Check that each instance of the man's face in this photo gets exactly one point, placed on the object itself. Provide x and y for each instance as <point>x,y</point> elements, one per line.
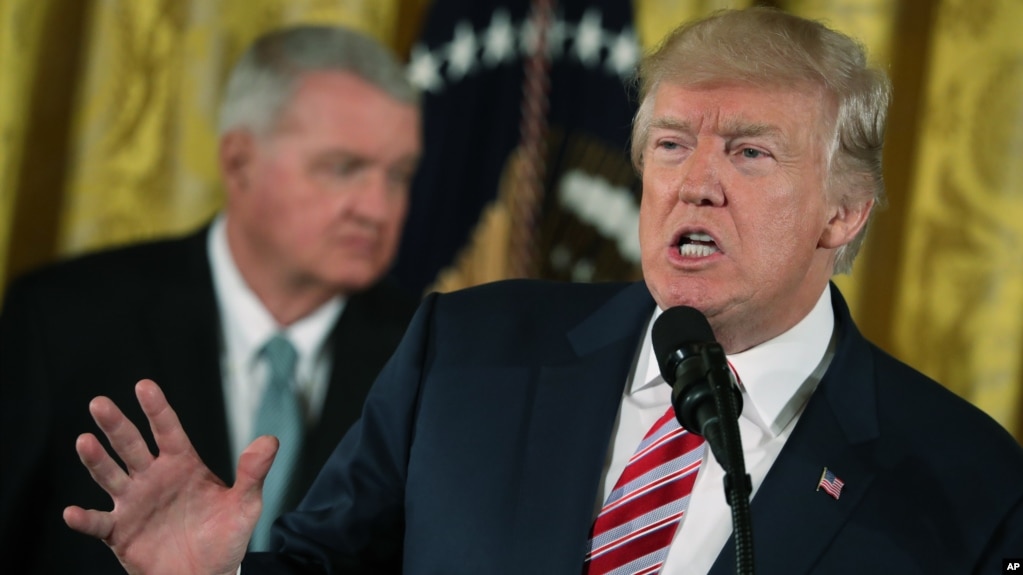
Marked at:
<point>319,203</point>
<point>734,220</point>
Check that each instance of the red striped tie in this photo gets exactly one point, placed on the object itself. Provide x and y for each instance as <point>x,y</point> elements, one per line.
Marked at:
<point>634,529</point>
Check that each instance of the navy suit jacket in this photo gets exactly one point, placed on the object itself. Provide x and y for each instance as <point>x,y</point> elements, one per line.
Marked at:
<point>482,442</point>
<point>98,324</point>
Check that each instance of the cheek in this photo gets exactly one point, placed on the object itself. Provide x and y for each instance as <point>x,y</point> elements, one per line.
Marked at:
<point>400,210</point>
<point>278,197</point>
<point>390,237</point>
<point>658,184</point>
<point>397,213</point>
<point>647,223</point>
<point>652,248</point>
<point>656,200</point>
<point>786,238</point>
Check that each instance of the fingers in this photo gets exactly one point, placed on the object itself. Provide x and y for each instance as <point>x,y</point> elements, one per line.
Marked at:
<point>98,524</point>
<point>163,420</point>
<point>103,469</point>
<point>124,437</point>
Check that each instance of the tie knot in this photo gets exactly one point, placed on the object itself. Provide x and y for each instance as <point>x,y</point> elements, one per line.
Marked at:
<point>280,354</point>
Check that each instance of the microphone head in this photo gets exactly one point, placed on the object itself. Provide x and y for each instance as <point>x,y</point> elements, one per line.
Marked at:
<point>676,329</point>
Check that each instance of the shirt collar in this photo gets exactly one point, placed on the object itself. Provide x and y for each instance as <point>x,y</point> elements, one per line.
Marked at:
<point>247,323</point>
<point>777,376</point>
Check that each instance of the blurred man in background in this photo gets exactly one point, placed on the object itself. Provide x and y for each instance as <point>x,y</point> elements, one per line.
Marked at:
<point>273,319</point>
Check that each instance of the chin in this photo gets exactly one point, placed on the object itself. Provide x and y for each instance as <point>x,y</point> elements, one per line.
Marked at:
<point>353,274</point>
<point>682,292</point>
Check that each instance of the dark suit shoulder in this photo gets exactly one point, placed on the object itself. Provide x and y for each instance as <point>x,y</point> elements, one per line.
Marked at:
<point>551,301</point>
<point>114,273</point>
<point>949,475</point>
<point>940,420</point>
<point>915,414</point>
<point>529,319</point>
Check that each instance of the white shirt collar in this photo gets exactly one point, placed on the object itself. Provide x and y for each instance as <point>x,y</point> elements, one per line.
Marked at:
<point>777,376</point>
<point>247,324</point>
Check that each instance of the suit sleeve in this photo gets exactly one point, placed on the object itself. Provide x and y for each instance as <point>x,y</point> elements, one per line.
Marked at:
<point>352,519</point>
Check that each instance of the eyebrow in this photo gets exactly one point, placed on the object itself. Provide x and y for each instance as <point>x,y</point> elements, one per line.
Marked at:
<point>670,123</point>
<point>739,129</point>
<point>730,128</point>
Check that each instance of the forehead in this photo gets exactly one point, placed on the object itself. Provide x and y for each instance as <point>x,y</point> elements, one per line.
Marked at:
<point>340,106</point>
<point>343,93</point>
<point>728,107</point>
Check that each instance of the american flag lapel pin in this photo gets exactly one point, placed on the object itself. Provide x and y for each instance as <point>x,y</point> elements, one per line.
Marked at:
<point>830,483</point>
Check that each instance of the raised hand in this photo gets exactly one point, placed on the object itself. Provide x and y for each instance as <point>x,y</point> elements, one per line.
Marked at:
<point>171,513</point>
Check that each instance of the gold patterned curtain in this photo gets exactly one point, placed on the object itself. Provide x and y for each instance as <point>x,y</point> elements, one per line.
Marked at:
<point>958,307</point>
<point>107,114</point>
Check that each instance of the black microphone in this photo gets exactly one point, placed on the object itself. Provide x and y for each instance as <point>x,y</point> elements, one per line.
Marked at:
<point>707,402</point>
<point>691,361</point>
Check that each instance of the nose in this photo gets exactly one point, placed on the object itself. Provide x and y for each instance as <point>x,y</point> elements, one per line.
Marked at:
<point>701,179</point>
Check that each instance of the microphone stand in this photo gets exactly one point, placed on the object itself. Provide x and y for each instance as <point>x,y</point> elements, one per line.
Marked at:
<point>695,387</point>
<point>738,485</point>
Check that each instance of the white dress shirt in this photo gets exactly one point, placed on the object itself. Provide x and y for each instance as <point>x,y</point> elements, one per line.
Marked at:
<point>246,325</point>
<point>777,376</point>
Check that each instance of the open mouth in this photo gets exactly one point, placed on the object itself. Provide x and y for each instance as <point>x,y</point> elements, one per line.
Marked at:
<point>696,245</point>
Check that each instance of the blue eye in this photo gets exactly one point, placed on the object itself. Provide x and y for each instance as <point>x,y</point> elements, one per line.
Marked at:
<point>751,153</point>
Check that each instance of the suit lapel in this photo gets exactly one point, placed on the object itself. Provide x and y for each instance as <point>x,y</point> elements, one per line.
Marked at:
<point>185,327</point>
<point>355,339</point>
<point>572,416</point>
<point>838,430</point>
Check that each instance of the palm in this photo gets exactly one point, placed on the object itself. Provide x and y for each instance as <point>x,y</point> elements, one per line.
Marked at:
<point>171,514</point>
<point>198,518</point>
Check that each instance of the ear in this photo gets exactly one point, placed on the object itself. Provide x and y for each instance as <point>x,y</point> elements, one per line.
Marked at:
<point>237,151</point>
<point>845,222</point>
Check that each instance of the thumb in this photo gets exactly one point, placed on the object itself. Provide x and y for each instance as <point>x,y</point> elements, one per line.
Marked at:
<point>254,464</point>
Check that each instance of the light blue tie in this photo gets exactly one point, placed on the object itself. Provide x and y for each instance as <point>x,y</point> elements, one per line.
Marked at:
<point>279,415</point>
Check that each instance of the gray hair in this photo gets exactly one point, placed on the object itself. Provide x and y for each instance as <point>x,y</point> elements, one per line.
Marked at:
<point>768,47</point>
<point>264,78</point>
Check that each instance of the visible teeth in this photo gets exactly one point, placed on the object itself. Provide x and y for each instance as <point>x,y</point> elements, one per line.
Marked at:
<point>696,250</point>
<point>700,237</point>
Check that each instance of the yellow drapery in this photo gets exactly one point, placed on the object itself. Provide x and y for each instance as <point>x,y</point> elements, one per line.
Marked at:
<point>20,40</point>
<point>33,126</point>
<point>107,114</point>
<point>958,312</point>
